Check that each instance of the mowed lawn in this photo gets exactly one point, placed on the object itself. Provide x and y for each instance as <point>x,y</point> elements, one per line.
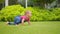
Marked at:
<point>43,27</point>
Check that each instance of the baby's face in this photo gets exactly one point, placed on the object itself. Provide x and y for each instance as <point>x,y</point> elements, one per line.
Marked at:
<point>29,14</point>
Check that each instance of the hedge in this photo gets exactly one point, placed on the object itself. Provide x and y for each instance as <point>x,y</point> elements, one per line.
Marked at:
<point>9,12</point>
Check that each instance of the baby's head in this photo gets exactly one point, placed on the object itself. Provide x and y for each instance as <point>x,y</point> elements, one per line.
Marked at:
<point>28,13</point>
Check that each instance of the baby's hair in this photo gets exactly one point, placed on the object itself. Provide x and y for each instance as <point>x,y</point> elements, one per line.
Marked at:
<point>27,12</point>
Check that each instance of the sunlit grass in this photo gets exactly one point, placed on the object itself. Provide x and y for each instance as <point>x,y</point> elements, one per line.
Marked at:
<point>34,28</point>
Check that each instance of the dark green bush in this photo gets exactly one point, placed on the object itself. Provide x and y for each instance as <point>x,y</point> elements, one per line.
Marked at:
<point>9,12</point>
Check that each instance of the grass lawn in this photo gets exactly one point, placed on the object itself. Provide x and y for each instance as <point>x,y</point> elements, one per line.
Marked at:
<point>35,28</point>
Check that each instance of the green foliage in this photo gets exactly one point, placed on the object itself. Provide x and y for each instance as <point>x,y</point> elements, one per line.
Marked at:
<point>13,2</point>
<point>44,14</point>
<point>43,1</point>
<point>9,12</point>
<point>1,1</point>
<point>56,12</point>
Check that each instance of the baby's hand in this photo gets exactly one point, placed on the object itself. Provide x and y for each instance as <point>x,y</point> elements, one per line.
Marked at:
<point>23,24</point>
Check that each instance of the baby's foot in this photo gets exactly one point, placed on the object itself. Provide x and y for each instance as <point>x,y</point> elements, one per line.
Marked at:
<point>7,22</point>
<point>16,25</point>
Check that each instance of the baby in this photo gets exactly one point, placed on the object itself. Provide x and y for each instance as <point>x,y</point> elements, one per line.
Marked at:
<point>21,19</point>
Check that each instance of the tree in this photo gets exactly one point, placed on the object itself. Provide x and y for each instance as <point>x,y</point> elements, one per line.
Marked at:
<point>12,2</point>
<point>43,2</point>
<point>1,1</point>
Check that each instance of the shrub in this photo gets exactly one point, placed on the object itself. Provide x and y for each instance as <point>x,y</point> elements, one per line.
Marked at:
<point>9,12</point>
<point>56,12</point>
<point>44,14</point>
<point>40,14</point>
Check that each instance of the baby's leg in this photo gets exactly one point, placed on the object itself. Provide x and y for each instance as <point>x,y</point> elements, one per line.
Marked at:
<point>10,23</point>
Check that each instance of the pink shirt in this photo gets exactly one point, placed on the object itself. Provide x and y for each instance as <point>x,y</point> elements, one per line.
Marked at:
<point>25,18</point>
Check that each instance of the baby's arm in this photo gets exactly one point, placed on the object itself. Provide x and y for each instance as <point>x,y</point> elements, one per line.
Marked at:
<point>23,21</point>
<point>29,22</point>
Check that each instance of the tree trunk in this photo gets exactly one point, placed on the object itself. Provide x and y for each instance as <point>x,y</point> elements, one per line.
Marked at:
<point>25,3</point>
<point>6,2</point>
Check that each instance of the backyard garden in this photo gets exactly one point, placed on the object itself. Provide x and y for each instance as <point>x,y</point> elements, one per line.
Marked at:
<point>43,20</point>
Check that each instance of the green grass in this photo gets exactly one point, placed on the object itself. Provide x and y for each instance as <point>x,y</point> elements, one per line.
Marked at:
<point>35,28</point>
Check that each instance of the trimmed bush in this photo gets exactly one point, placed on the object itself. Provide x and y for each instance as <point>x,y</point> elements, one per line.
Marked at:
<point>9,12</point>
<point>56,12</point>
